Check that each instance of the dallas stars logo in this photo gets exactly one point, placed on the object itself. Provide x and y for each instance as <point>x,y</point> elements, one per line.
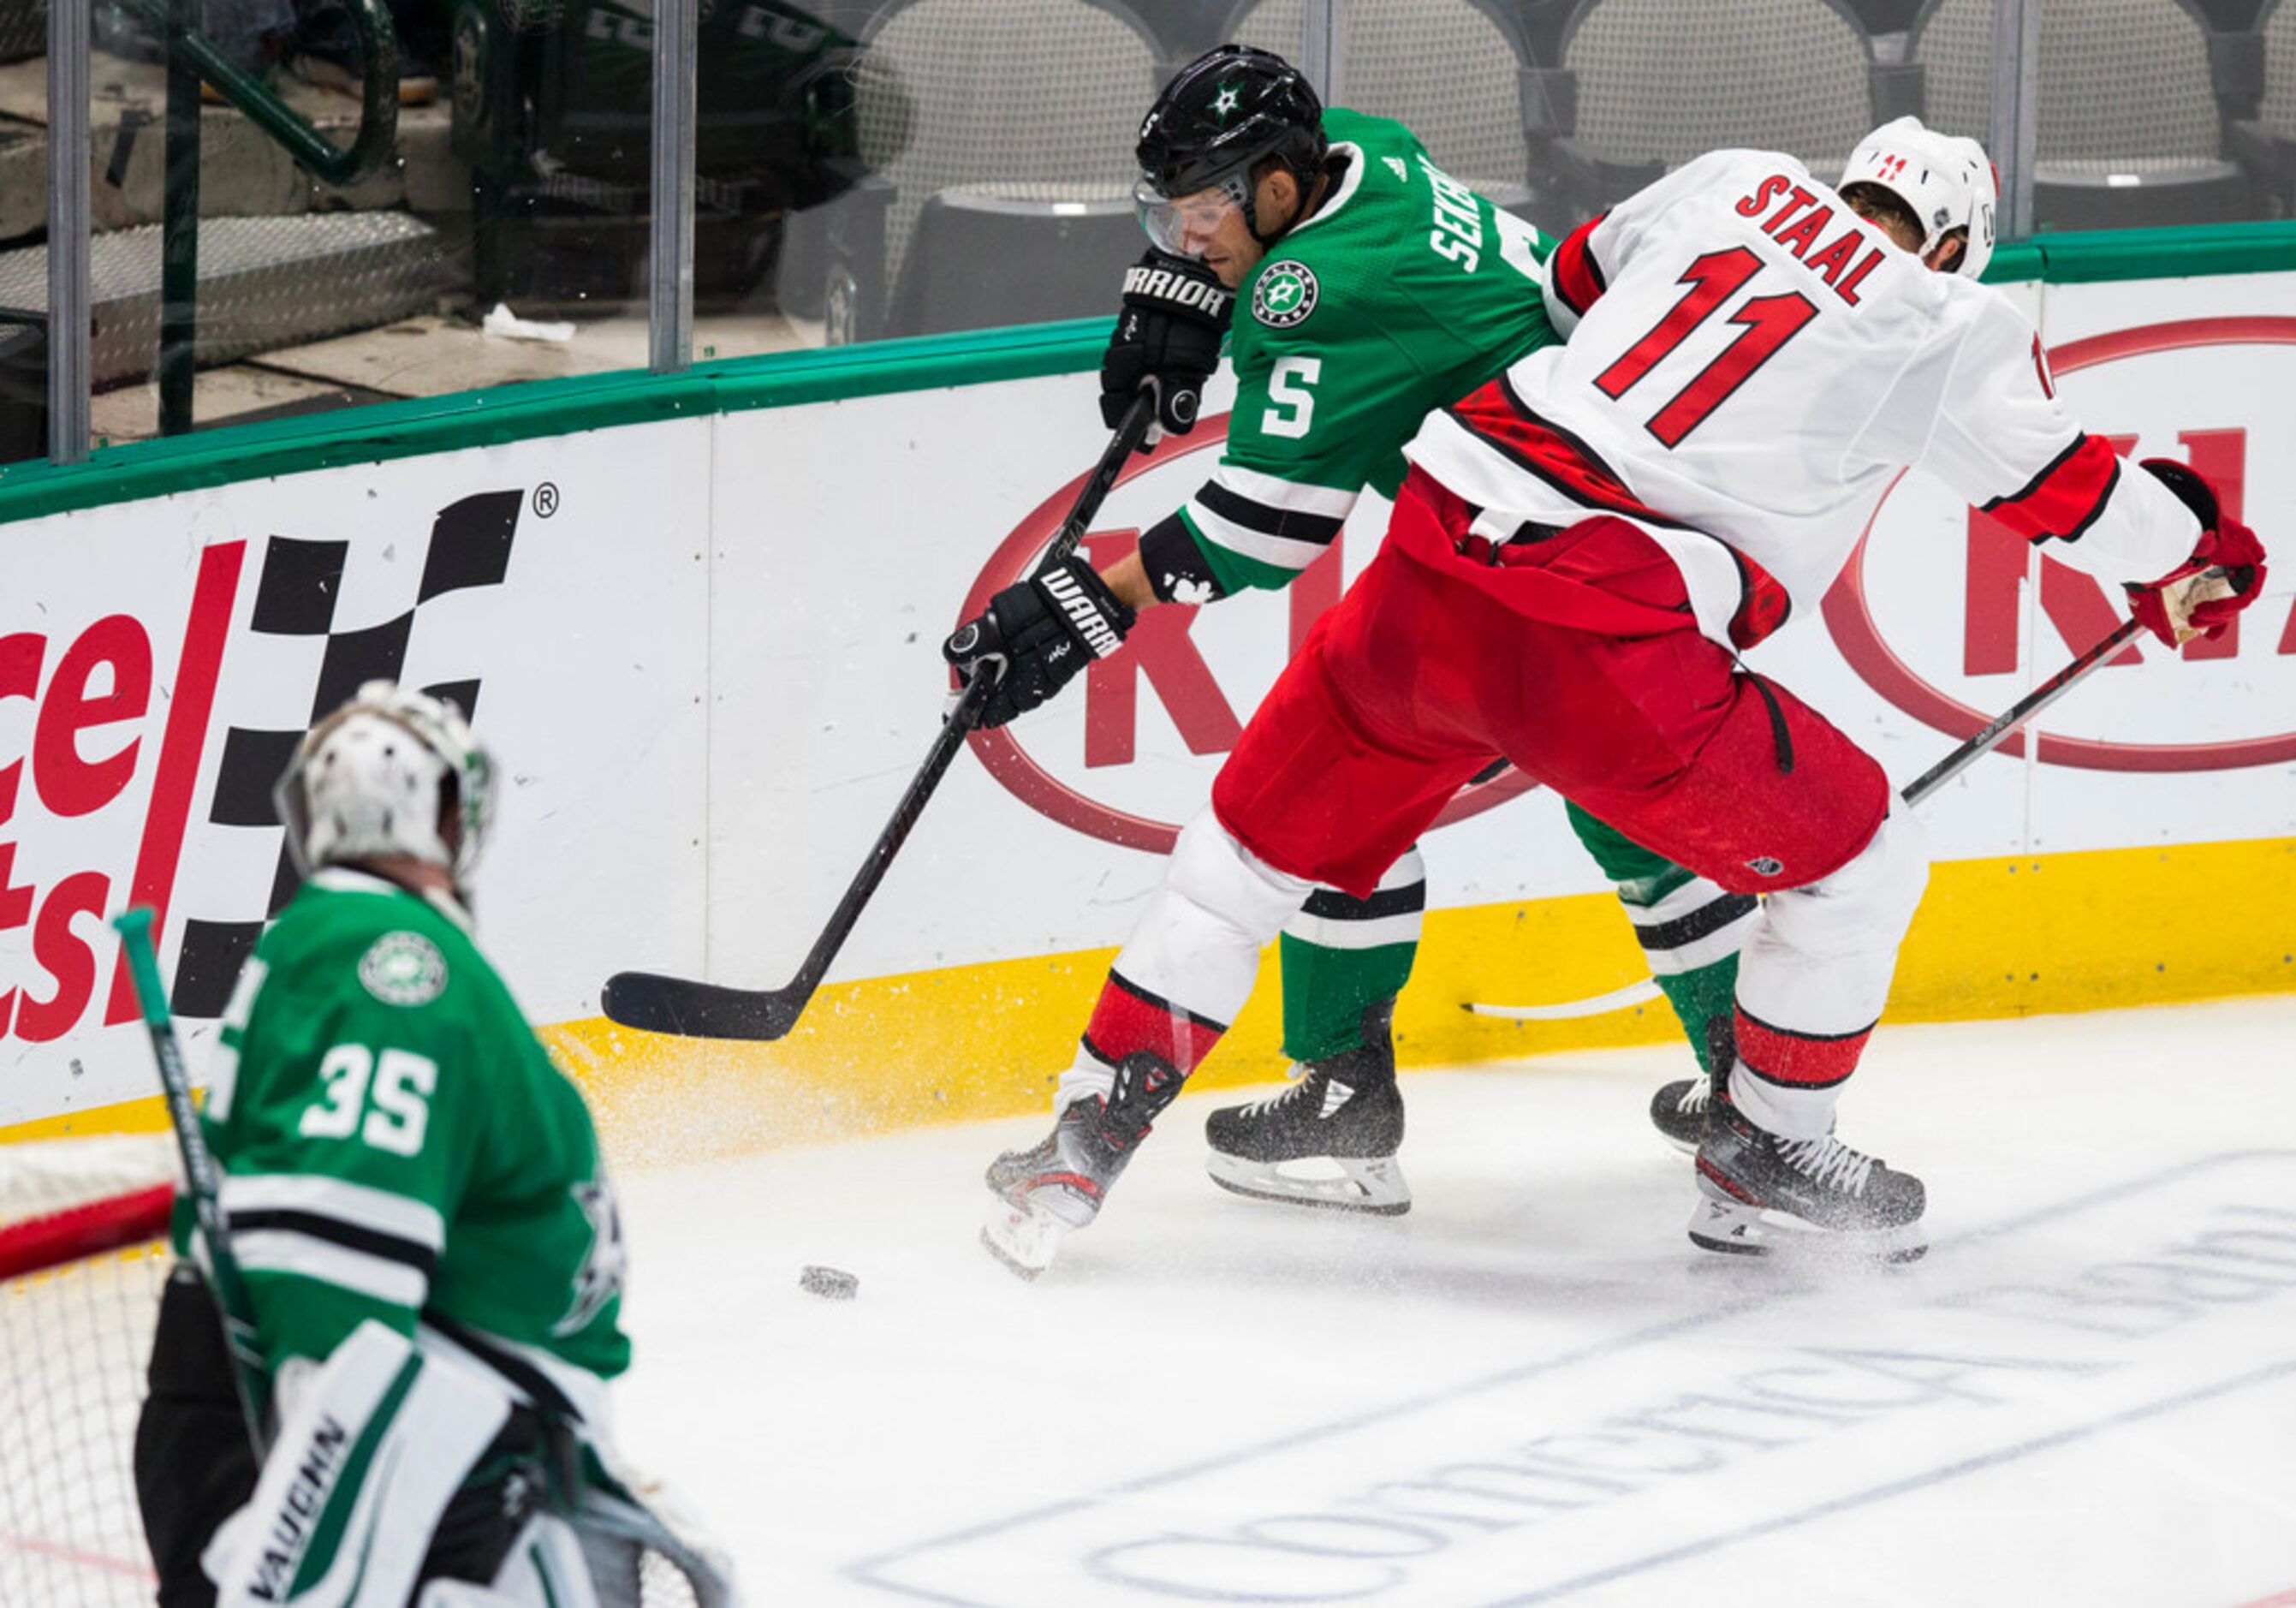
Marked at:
<point>403,969</point>
<point>599,1279</point>
<point>1285,295</point>
<point>1226,101</point>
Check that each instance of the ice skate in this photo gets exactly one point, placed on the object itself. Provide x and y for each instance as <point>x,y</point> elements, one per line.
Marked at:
<point>1760,1193</point>
<point>1328,1140</point>
<point>1678,1111</point>
<point>1055,1188</point>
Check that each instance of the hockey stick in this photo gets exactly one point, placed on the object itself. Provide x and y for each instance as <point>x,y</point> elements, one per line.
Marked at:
<point>232,1303</point>
<point>657,1004</point>
<point>1921,787</point>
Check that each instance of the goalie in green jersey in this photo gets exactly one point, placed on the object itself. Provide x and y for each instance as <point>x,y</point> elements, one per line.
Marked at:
<point>425,1230</point>
<point>1360,288</point>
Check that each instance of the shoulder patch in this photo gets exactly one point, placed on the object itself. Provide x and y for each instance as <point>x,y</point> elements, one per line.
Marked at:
<point>1285,294</point>
<point>403,969</point>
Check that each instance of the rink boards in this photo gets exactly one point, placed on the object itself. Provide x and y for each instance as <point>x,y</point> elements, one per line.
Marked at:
<point>701,635</point>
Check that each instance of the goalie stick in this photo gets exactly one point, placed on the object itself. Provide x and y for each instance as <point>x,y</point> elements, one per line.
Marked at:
<point>657,1004</point>
<point>1921,787</point>
<point>201,1181</point>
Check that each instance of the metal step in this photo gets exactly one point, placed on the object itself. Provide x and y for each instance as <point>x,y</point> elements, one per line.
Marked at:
<point>265,283</point>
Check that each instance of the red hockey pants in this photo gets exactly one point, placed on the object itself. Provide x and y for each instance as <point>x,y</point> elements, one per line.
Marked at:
<point>1576,658</point>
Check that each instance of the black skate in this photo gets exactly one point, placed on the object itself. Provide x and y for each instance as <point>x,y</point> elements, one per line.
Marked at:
<point>1679,1110</point>
<point>1758,1192</point>
<point>1052,1188</point>
<point>1344,1115</point>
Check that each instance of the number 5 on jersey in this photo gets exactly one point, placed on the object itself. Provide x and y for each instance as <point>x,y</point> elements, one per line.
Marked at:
<point>391,1093</point>
<point>1294,405</point>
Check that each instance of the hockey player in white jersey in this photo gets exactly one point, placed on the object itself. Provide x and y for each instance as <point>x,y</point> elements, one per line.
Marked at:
<point>1586,544</point>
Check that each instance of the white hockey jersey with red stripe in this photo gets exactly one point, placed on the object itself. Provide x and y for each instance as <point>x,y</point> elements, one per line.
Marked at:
<point>1747,359</point>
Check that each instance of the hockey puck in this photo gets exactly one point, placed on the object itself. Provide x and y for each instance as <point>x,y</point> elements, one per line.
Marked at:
<point>830,1284</point>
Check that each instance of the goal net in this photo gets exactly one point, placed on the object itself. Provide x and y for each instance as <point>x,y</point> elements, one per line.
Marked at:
<point>82,1259</point>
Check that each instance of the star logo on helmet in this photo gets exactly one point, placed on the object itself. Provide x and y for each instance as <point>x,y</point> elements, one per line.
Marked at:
<point>1226,101</point>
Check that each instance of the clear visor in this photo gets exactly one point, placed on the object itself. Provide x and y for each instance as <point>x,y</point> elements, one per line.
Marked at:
<point>1184,224</point>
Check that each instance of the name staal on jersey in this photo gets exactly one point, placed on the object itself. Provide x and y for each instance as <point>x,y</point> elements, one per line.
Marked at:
<point>1747,359</point>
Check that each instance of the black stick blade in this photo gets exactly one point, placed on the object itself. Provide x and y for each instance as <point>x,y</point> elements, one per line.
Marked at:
<point>655,1003</point>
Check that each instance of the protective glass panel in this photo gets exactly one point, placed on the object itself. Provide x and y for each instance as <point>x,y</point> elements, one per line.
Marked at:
<point>23,218</point>
<point>1618,92</point>
<point>981,166</point>
<point>372,200</point>
<point>2147,112</point>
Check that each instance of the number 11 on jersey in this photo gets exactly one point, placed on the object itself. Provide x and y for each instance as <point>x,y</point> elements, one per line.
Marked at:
<point>1768,323</point>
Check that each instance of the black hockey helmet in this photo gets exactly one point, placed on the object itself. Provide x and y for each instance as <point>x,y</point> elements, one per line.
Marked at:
<point>1221,116</point>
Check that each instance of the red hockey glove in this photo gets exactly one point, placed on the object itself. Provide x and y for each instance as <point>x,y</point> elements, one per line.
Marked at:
<point>2223,576</point>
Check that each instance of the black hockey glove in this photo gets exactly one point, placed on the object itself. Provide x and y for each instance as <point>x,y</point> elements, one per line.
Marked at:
<point>1037,636</point>
<point>1167,338</point>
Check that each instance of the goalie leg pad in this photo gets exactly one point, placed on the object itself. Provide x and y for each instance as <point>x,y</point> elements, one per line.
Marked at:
<point>545,1568</point>
<point>375,1446</point>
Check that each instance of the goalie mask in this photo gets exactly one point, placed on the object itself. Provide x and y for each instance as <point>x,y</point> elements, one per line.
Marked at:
<point>1946,180</point>
<point>393,772</point>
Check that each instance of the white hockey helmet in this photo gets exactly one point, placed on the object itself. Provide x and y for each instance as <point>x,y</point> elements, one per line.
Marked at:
<point>393,772</point>
<point>1947,180</point>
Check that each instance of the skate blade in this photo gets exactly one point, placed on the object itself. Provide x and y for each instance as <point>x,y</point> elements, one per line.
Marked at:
<point>1734,1228</point>
<point>1023,1238</point>
<point>1374,1186</point>
<point>1681,1147</point>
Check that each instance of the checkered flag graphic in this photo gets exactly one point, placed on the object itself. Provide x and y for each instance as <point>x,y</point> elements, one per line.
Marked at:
<point>296,596</point>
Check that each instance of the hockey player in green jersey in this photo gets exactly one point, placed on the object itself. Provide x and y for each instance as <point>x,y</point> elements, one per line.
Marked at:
<point>1369,289</point>
<point>425,1229</point>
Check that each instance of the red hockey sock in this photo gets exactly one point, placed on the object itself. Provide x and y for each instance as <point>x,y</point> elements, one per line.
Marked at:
<point>1128,1019</point>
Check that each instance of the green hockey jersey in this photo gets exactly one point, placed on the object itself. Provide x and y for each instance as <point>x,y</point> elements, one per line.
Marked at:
<point>396,1145</point>
<point>1403,291</point>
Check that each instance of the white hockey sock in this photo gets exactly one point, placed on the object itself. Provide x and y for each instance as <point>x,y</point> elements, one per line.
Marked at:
<point>1086,1076</point>
<point>1790,1113</point>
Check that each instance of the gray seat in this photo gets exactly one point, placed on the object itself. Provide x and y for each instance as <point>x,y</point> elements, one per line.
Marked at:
<point>998,135</point>
<point>2127,128</point>
<point>2264,135</point>
<point>2277,108</point>
<point>1655,84</point>
<point>1446,68</point>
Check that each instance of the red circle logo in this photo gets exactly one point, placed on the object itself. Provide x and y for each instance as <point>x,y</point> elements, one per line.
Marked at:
<point>1021,774</point>
<point>1849,615</point>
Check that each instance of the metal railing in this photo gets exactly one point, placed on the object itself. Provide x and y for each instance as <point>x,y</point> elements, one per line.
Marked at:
<point>193,56</point>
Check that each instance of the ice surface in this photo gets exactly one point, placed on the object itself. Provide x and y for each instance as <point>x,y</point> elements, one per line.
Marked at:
<point>1531,1388</point>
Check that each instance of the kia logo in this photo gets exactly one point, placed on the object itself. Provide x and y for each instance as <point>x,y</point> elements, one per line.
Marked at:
<point>1161,656</point>
<point>2079,608</point>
